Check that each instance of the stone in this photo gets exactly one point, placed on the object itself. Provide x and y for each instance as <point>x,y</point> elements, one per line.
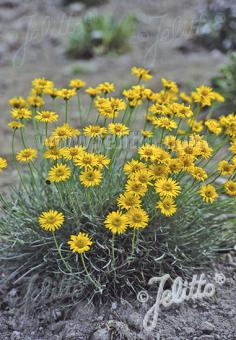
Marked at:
<point>207,327</point>
<point>134,320</point>
<point>76,8</point>
<point>101,334</point>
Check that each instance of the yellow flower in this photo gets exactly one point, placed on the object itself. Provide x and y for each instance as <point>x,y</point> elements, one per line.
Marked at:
<point>230,188</point>
<point>65,131</point>
<point>52,92</point>
<point>90,178</point>
<point>116,222</point>
<point>46,116</point>
<point>53,153</point>
<point>18,102</point>
<point>77,84</point>
<point>133,166</point>
<point>102,160</point>
<point>159,170</point>
<point>71,153</point>
<point>106,87</point>
<point>59,173</point>
<point>137,188</point>
<point>208,193</point>
<point>3,164</point>
<point>171,142</point>
<point>181,111</point>
<point>167,206</point>
<point>137,218</point>
<point>185,97</point>
<point>21,113</point>
<point>86,160</point>
<point>80,243</point>
<point>51,220</point>
<point>118,129</point>
<point>141,73</point>
<point>41,84</point>
<point>93,92</point>
<point>94,131</point>
<point>15,125</point>
<point>147,151</point>
<point>196,126</point>
<point>233,147</point>
<point>198,173</point>
<point>142,176</point>
<point>51,142</point>
<point>175,165</point>
<point>167,187</point>
<point>26,155</point>
<point>147,133</point>
<point>213,126</point>
<point>35,101</point>
<point>225,168</point>
<point>165,123</point>
<point>66,94</point>
<point>170,85</point>
<point>128,200</point>
<point>203,95</point>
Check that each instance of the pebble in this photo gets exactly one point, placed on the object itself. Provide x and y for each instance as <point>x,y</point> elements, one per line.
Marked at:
<point>207,327</point>
<point>134,320</point>
<point>101,334</point>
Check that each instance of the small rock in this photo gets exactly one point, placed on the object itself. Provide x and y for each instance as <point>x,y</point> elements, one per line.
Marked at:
<point>134,320</point>
<point>207,327</point>
<point>189,330</point>
<point>101,334</point>
<point>15,335</point>
<point>76,8</point>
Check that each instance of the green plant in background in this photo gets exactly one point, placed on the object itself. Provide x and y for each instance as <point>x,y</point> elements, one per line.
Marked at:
<point>216,28</point>
<point>225,82</point>
<point>101,34</point>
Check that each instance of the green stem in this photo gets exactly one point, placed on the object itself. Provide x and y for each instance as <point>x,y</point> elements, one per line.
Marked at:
<point>113,250</point>
<point>89,275</point>
<point>60,254</point>
<point>66,111</point>
<point>15,162</point>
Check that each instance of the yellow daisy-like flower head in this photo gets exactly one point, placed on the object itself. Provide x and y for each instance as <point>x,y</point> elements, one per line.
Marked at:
<point>142,176</point>
<point>128,200</point>
<point>80,243</point>
<point>198,173</point>
<point>52,92</point>
<point>165,123</point>
<point>147,151</point>
<point>53,153</point>
<point>66,94</point>
<point>118,129</point>
<point>35,101</point>
<point>137,188</point>
<point>93,92</point>
<point>90,178</point>
<point>18,102</point>
<point>26,155</point>
<point>137,218</point>
<point>106,87</point>
<point>15,125</point>
<point>21,113</point>
<point>132,166</point>
<point>51,142</point>
<point>141,73</point>
<point>71,153</point>
<point>102,161</point>
<point>86,160</point>
<point>147,133</point>
<point>208,193</point>
<point>51,220</point>
<point>225,168</point>
<point>213,126</point>
<point>167,206</point>
<point>77,84</point>
<point>116,222</point>
<point>230,188</point>
<point>46,116</point>
<point>159,170</point>
<point>94,131</point>
<point>65,131</point>
<point>3,164</point>
<point>167,187</point>
<point>59,173</point>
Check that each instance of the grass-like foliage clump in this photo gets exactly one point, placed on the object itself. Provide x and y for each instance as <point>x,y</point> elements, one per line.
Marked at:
<point>110,206</point>
<point>101,34</point>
